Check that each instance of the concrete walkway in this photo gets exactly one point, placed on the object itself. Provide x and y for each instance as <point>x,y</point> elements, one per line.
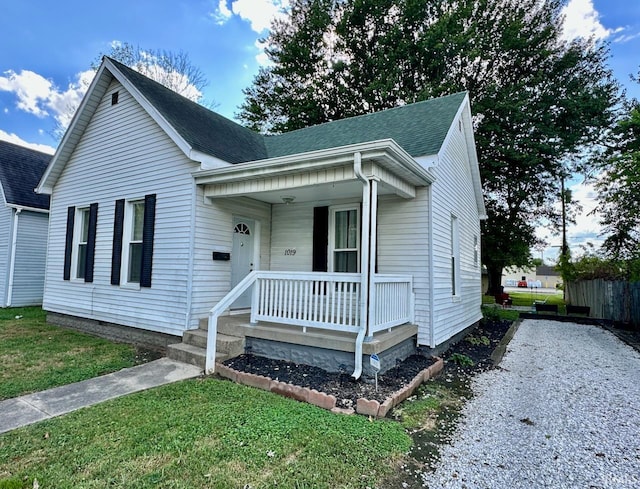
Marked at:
<point>25,410</point>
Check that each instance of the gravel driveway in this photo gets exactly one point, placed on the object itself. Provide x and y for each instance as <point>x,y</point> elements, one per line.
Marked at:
<point>561,411</point>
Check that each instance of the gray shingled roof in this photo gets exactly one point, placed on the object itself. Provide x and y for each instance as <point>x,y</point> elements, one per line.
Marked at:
<point>419,128</point>
<point>20,172</point>
<point>201,128</point>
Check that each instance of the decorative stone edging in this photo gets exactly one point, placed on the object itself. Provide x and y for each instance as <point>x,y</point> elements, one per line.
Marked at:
<point>327,401</point>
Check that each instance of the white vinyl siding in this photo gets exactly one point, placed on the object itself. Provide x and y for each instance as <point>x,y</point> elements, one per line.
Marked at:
<point>403,248</point>
<point>30,256</point>
<point>453,194</point>
<point>124,154</point>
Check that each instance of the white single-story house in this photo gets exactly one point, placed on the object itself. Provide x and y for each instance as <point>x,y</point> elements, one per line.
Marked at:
<point>24,221</point>
<point>324,245</point>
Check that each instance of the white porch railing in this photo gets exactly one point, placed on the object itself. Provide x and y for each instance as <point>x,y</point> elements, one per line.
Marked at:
<point>318,300</point>
<point>330,301</point>
<point>391,302</point>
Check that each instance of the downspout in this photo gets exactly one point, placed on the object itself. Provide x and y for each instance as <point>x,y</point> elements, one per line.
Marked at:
<point>364,263</point>
<point>432,329</point>
<point>12,257</point>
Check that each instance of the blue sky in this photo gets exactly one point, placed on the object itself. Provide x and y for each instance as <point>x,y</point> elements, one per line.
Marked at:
<point>46,49</point>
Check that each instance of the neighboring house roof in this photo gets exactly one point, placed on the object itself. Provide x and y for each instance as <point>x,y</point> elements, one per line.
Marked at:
<point>546,270</point>
<point>20,171</point>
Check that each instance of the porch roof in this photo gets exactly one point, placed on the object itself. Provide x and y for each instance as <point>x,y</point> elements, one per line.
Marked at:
<point>384,160</point>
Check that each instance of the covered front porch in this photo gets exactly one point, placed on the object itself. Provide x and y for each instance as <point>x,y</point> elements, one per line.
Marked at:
<point>334,293</point>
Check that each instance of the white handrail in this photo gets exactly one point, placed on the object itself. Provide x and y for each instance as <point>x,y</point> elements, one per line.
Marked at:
<point>216,311</point>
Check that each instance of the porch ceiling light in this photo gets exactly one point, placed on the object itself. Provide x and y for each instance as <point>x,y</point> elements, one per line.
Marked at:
<point>287,199</point>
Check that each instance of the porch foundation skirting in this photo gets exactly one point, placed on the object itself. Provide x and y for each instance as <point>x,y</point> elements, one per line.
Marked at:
<point>327,359</point>
<point>330,350</point>
<point>114,332</point>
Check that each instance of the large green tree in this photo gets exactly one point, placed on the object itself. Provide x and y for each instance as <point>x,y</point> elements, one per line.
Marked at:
<point>618,186</point>
<point>539,102</point>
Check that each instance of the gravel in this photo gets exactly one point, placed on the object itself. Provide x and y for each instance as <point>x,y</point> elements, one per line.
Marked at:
<point>562,410</point>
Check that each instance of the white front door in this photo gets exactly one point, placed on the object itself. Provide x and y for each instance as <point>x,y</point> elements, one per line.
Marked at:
<point>242,257</point>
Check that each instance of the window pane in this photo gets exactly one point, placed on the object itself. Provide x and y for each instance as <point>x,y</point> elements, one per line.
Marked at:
<point>346,261</point>
<point>82,260</point>
<point>135,262</point>
<point>346,229</point>
<point>138,221</point>
<point>341,229</point>
<point>84,231</point>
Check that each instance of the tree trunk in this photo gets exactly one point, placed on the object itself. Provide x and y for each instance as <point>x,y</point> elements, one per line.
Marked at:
<point>495,279</point>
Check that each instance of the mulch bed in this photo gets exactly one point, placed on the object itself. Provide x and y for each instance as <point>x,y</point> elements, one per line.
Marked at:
<point>347,390</point>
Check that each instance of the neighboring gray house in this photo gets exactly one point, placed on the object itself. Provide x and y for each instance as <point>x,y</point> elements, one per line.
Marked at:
<point>24,218</point>
<point>344,239</point>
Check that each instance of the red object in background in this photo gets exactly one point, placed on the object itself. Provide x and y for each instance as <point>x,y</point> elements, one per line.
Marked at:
<point>522,283</point>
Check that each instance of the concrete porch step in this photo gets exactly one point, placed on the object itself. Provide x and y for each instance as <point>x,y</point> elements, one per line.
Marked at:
<point>193,348</point>
<point>231,345</point>
<point>192,355</point>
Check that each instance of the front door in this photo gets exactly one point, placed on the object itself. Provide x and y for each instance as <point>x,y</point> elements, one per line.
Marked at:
<point>242,257</point>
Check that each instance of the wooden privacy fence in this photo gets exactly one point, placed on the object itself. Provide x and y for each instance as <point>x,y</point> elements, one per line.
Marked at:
<point>616,300</point>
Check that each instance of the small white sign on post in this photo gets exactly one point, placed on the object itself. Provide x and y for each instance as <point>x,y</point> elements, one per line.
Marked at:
<point>374,360</point>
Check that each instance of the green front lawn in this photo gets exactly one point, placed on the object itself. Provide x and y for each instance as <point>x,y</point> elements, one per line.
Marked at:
<point>202,433</point>
<point>37,356</point>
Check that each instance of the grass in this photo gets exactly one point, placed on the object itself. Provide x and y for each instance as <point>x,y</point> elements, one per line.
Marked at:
<point>37,356</point>
<point>202,433</point>
<point>527,297</point>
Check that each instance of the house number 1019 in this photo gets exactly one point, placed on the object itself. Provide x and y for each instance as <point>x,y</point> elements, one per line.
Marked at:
<point>289,252</point>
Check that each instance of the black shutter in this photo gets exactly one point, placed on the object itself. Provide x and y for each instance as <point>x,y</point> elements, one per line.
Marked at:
<point>116,251</point>
<point>68,246</point>
<point>147,239</point>
<point>320,238</point>
<point>91,243</point>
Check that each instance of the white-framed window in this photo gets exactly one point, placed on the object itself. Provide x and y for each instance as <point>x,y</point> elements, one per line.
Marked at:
<point>132,242</point>
<point>476,251</point>
<point>81,237</point>
<point>344,238</point>
<point>455,257</point>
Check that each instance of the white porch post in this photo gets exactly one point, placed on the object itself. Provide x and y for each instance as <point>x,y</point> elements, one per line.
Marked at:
<point>364,243</point>
<point>373,230</point>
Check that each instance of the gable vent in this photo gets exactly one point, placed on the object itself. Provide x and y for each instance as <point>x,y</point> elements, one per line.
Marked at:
<point>114,98</point>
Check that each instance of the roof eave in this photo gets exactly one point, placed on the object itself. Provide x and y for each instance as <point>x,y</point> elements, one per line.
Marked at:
<point>386,149</point>
<point>73,133</point>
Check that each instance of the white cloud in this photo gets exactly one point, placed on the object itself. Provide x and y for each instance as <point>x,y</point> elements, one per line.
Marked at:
<point>261,58</point>
<point>32,90</point>
<point>39,96</point>
<point>14,138</point>
<point>583,20</point>
<point>259,13</point>
<point>222,14</point>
